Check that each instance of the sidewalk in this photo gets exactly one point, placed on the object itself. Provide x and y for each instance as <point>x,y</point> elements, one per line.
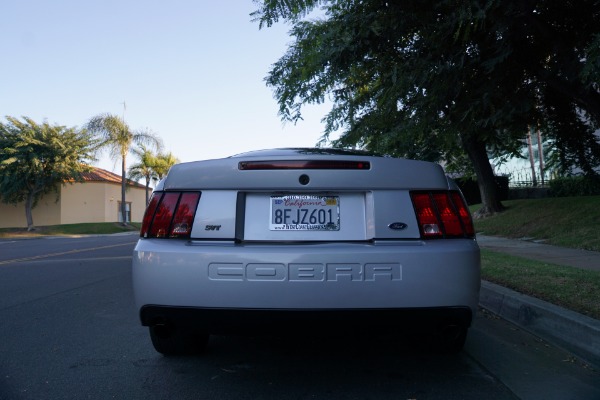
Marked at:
<point>576,333</point>
<point>542,252</point>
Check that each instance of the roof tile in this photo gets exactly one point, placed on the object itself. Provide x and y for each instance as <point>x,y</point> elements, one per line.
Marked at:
<point>102,175</point>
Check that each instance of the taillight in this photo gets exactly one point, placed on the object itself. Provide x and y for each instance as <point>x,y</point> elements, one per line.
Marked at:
<point>442,214</point>
<point>464,214</point>
<point>426,215</point>
<point>149,214</point>
<point>170,215</point>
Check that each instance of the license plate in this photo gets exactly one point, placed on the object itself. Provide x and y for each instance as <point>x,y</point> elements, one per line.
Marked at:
<point>305,213</point>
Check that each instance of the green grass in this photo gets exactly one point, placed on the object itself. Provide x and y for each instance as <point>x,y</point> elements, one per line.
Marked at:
<point>572,288</point>
<point>70,229</point>
<point>565,221</point>
<point>568,222</point>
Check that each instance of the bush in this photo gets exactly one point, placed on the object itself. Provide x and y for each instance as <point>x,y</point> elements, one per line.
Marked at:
<point>575,186</point>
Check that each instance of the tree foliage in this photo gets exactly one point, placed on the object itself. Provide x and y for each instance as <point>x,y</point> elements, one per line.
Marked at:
<point>36,159</point>
<point>441,79</point>
<point>144,167</point>
<point>113,133</point>
<point>164,162</point>
<point>150,166</point>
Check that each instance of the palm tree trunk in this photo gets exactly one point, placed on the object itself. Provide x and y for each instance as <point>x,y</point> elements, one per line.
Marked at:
<point>123,188</point>
<point>147,188</point>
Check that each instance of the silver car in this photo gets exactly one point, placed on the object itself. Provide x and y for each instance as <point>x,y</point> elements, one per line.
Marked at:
<point>305,241</point>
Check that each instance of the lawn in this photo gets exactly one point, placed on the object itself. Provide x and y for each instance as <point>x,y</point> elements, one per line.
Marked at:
<point>572,288</point>
<point>568,222</point>
<point>563,221</point>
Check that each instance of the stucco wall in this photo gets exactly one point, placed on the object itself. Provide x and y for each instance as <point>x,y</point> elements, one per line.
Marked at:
<point>83,202</point>
<point>79,202</point>
<point>135,195</point>
<point>47,212</point>
<point>138,198</point>
<point>99,202</point>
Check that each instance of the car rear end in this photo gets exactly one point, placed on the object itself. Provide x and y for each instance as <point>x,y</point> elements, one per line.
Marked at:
<point>306,240</point>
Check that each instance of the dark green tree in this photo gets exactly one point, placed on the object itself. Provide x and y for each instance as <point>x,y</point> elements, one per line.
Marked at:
<point>36,159</point>
<point>441,80</point>
<point>114,134</point>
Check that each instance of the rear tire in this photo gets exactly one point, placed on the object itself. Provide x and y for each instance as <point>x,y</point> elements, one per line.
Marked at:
<point>171,340</point>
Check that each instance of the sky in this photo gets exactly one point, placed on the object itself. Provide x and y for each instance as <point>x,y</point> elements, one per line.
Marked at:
<point>190,71</point>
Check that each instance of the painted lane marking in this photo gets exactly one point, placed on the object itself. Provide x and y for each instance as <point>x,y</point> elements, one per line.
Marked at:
<point>17,260</point>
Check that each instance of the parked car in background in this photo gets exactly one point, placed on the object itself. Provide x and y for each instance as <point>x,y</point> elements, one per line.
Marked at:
<point>305,240</point>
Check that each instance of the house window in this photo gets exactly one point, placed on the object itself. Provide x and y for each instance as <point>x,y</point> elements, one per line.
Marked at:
<point>127,211</point>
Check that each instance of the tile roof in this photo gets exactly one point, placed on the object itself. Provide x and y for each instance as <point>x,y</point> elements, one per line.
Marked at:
<point>102,175</point>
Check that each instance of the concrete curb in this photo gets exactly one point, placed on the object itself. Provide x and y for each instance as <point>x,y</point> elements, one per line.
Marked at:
<point>575,333</point>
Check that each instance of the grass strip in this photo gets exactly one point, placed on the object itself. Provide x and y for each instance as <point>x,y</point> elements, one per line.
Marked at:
<point>101,228</point>
<point>572,288</point>
<point>561,221</point>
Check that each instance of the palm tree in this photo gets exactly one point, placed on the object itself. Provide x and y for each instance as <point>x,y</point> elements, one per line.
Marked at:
<point>144,168</point>
<point>116,135</point>
<point>164,162</point>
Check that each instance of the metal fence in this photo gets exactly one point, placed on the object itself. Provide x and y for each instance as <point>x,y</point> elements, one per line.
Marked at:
<point>523,177</point>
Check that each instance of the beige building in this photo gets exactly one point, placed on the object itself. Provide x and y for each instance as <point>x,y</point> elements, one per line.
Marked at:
<point>97,199</point>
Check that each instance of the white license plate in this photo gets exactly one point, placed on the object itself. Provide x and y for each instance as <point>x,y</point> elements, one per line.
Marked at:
<point>305,213</point>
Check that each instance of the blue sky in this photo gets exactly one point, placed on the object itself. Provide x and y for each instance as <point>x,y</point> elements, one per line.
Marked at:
<point>190,71</point>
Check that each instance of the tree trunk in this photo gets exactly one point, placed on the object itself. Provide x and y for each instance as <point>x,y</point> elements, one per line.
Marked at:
<point>541,154</point>
<point>531,158</point>
<point>28,211</point>
<point>147,188</point>
<point>485,177</point>
<point>123,188</point>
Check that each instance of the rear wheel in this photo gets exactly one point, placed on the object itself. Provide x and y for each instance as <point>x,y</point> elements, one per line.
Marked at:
<point>172,340</point>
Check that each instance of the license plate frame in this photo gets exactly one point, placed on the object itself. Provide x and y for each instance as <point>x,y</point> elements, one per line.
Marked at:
<point>304,212</point>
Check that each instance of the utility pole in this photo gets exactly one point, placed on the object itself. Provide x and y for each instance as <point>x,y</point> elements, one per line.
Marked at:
<point>124,108</point>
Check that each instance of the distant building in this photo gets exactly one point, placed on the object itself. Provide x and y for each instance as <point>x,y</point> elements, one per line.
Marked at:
<point>97,199</point>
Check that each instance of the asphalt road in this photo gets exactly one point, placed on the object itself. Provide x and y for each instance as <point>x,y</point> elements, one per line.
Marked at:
<point>69,330</point>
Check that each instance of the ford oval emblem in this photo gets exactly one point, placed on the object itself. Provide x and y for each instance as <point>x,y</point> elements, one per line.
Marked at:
<point>397,226</point>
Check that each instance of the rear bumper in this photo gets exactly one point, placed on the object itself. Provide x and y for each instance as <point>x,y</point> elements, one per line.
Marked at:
<point>401,275</point>
<point>228,321</point>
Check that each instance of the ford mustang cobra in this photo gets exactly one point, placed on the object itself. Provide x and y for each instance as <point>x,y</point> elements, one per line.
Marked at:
<point>305,240</point>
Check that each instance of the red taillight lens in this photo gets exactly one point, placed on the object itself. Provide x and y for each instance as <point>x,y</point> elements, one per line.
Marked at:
<point>426,215</point>
<point>170,215</point>
<point>163,215</point>
<point>184,216</point>
<point>442,214</point>
<point>149,214</point>
<point>448,214</point>
<point>465,215</point>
